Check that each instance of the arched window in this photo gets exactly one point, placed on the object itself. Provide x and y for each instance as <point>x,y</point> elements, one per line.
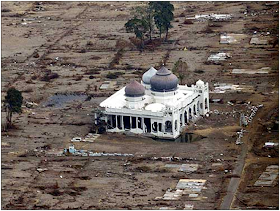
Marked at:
<point>181,119</point>
<point>190,113</point>
<point>194,110</point>
<point>176,125</point>
<point>206,107</point>
<point>155,126</point>
<point>186,117</point>
<point>168,126</point>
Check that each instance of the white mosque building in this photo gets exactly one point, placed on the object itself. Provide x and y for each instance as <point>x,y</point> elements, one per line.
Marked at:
<point>158,107</point>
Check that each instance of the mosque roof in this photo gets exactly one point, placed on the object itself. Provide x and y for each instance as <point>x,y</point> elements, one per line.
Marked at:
<point>164,81</point>
<point>134,89</point>
<point>148,75</point>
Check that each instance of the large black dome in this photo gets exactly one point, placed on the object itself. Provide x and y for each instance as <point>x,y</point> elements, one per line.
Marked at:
<point>134,89</point>
<point>164,81</point>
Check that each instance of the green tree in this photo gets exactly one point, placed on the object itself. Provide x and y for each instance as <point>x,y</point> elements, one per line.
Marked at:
<point>163,15</point>
<point>139,27</point>
<point>145,13</point>
<point>13,102</point>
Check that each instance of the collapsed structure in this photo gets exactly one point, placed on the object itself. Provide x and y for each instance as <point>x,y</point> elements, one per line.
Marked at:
<point>156,107</point>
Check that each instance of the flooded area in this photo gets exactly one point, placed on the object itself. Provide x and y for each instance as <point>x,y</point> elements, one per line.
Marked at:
<point>183,138</point>
<point>59,100</point>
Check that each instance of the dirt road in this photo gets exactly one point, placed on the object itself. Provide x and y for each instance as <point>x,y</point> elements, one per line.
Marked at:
<point>234,181</point>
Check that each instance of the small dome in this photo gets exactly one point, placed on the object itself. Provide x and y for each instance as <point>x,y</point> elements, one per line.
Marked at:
<point>155,107</point>
<point>200,83</point>
<point>164,81</point>
<point>134,89</point>
<point>148,75</point>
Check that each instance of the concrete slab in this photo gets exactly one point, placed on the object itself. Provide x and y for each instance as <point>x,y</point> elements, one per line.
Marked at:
<point>231,38</point>
<point>188,167</point>
<point>263,70</point>
<point>268,176</point>
<point>188,207</point>
<point>258,41</point>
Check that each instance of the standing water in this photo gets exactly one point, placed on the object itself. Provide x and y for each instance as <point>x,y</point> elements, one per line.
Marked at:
<point>58,100</point>
<point>183,138</point>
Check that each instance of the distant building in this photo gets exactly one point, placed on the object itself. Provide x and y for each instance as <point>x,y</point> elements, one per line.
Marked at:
<point>156,107</point>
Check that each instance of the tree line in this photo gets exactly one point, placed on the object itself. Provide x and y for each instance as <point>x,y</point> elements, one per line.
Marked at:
<point>145,18</point>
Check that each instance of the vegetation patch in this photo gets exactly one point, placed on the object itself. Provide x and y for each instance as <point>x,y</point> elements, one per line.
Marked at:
<point>114,75</point>
<point>116,59</point>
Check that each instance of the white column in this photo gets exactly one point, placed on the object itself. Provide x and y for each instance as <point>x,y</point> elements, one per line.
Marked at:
<point>122,124</point>
<point>130,122</point>
<point>151,125</point>
<point>173,126</point>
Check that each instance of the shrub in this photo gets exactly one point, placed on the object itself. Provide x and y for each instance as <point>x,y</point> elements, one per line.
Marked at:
<point>92,72</point>
<point>116,58</point>
<point>188,21</point>
<point>5,10</point>
<point>89,43</point>
<point>78,78</point>
<point>114,75</point>
<point>49,76</point>
<point>182,15</point>
<point>83,51</point>
<point>95,57</point>
<point>34,77</point>
<point>199,71</point>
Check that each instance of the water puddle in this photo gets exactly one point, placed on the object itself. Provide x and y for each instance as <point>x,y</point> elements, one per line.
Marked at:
<point>183,138</point>
<point>59,100</point>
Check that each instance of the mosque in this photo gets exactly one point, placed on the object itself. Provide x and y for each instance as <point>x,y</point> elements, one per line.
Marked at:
<point>156,107</point>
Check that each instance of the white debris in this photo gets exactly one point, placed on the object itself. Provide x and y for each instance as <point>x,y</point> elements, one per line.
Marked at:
<point>217,17</point>
<point>193,195</point>
<point>258,41</point>
<point>270,144</point>
<point>218,57</point>
<point>76,139</point>
<point>231,38</point>
<point>41,169</point>
<point>188,207</point>
<point>263,70</point>
<point>85,153</point>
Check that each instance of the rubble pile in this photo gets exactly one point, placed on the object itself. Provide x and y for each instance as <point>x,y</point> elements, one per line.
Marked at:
<point>84,153</point>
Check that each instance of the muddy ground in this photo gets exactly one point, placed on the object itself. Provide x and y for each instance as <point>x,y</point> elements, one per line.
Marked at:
<point>78,44</point>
